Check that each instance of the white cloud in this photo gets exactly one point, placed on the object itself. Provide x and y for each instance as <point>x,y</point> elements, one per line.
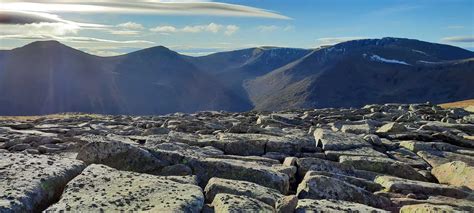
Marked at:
<point>187,7</point>
<point>272,28</point>
<point>164,29</point>
<point>459,39</point>
<point>231,29</point>
<point>39,29</point>
<point>125,32</point>
<point>131,26</point>
<point>336,40</point>
<point>210,28</point>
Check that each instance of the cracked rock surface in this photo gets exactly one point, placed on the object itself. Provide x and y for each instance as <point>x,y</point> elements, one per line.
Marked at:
<point>378,158</point>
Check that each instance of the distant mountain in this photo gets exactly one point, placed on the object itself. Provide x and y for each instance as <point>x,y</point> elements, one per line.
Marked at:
<point>360,72</point>
<point>49,77</point>
<point>234,67</point>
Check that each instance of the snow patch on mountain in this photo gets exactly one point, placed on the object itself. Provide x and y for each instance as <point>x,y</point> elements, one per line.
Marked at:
<point>421,52</point>
<point>384,60</point>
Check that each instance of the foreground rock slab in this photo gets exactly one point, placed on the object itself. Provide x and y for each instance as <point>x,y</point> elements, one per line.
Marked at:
<point>249,189</point>
<point>405,186</point>
<point>315,186</point>
<point>456,173</point>
<point>309,205</point>
<point>101,188</point>
<point>429,208</point>
<point>32,182</point>
<point>224,203</point>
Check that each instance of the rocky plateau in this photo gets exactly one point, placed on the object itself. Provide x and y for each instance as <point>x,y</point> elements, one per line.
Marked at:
<point>377,158</point>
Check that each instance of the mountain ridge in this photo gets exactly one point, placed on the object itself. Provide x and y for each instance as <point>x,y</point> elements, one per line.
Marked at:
<point>158,80</point>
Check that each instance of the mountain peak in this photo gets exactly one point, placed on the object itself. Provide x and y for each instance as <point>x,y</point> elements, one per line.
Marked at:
<point>46,44</point>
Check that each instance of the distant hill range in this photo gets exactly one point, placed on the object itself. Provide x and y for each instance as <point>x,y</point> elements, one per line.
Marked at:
<point>48,77</point>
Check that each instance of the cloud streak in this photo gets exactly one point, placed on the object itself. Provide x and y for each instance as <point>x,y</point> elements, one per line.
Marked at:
<point>142,7</point>
<point>210,28</point>
<point>459,39</point>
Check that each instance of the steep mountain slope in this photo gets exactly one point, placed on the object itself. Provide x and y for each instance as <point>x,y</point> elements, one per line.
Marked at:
<point>367,71</point>
<point>157,80</point>
<point>234,67</point>
<point>48,77</point>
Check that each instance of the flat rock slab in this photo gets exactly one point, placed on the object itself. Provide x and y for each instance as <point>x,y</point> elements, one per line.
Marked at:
<point>316,164</point>
<point>32,182</point>
<point>426,207</point>
<point>101,188</point>
<point>259,144</point>
<point>455,173</point>
<point>436,158</point>
<point>405,186</point>
<point>416,146</point>
<point>309,205</point>
<point>382,165</point>
<point>464,204</point>
<point>224,203</point>
<point>120,155</point>
<point>263,175</point>
<point>363,151</point>
<point>359,182</point>
<point>330,140</point>
<point>218,185</point>
<point>406,156</point>
<point>315,186</point>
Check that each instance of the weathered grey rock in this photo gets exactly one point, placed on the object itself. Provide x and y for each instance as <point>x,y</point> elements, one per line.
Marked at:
<point>32,182</point>
<point>115,190</point>
<point>243,144</point>
<point>440,127</point>
<point>404,155</point>
<point>263,175</point>
<point>373,139</point>
<point>218,185</point>
<point>405,186</point>
<point>359,182</point>
<point>309,205</point>
<point>156,131</point>
<point>315,164</point>
<point>316,186</point>
<point>286,204</point>
<point>21,126</point>
<point>19,147</point>
<point>381,165</point>
<point>436,158</point>
<point>457,140</point>
<point>363,151</point>
<point>455,173</point>
<point>391,128</point>
<point>258,144</point>
<point>416,146</point>
<point>358,128</point>
<point>176,170</point>
<point>330,140</point>
<point>275,155</point>
<point>224,203</point>
<point>120,155</point>
<point>426,207</point>
<point>463,204</point>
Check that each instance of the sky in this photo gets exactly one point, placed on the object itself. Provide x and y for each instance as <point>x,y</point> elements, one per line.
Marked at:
<point>200,27</point>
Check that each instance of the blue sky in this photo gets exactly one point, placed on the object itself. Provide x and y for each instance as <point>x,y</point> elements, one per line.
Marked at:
<point>197,27</point>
